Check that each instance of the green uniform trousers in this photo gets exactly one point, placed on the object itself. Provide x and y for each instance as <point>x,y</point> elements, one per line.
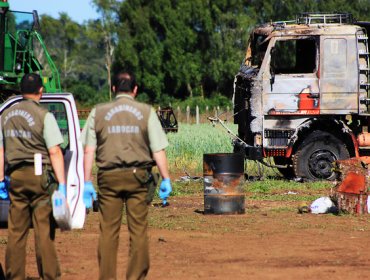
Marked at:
<point>30,202</point>
<point>115,188</point>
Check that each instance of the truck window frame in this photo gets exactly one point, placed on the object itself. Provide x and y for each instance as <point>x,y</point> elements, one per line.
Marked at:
<point>310,51</point>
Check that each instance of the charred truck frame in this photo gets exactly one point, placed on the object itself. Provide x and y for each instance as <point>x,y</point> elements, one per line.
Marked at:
<point>302,94</point>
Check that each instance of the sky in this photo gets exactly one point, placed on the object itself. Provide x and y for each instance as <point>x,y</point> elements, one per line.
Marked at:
<point>78,10</point>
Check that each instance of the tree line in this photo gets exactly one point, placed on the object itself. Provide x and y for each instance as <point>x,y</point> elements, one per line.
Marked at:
<point>178,49</point>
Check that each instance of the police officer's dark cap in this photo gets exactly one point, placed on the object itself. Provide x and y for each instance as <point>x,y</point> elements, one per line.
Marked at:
<point>31,83</point>
<point>124,82</point>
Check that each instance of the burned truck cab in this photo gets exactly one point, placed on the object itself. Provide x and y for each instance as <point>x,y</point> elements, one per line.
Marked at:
<point>248,93</point>
<point>301,95</point>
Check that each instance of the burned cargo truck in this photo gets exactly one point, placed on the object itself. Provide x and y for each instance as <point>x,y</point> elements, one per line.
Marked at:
<point>302,94</point>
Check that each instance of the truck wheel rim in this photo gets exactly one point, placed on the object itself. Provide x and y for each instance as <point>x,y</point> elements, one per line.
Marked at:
<point>320,164</point>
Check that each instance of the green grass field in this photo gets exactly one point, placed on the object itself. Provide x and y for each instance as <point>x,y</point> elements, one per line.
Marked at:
<point>185,155</point>
<point>188,145</point>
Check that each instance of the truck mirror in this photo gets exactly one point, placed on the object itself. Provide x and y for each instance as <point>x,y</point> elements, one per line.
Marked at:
<point>36,22</point>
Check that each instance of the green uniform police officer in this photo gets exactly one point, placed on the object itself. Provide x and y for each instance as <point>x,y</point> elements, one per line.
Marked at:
<point>128,140</point>
<point>28,129</point>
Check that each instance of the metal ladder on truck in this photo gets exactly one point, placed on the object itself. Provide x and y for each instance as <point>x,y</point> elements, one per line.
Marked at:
<point>364,69</point>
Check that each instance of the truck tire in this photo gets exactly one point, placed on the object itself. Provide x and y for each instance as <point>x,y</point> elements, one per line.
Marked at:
<point>288,173</point>
<point>314,157</point>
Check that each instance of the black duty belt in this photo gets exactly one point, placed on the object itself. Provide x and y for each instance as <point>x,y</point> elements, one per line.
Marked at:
<point>126,168</point>
<point>11,169</point>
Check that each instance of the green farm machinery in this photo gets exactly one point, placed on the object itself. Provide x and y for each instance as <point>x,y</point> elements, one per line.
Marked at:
<point>22,51</point>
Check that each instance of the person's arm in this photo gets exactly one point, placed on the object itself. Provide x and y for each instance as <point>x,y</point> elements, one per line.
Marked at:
<point>158,143</point>
<point>4,194</point>
<point>89,193</point>
<point>57,162</point>
<point>88,139</point>
<point>2,160</point>
<point>2,176</point>
<point>160,159</point>
<point>165,188</point>
<point>89,153</point>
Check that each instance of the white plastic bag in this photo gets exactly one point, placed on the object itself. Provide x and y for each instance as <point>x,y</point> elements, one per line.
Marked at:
<point>61,211</point>
<point>321,205</point>
<point>368,204</point>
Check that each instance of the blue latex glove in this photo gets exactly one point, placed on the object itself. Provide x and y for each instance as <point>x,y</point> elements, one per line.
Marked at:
<point>89,194</point>
<point>63,189</point>
<point>4,189</point>
<point>165,189</point>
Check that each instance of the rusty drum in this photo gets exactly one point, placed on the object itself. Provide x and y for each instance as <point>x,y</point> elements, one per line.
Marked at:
<point>223,183</point>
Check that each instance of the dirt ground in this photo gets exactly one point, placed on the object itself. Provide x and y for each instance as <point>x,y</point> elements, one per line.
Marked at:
<point>270,241</point>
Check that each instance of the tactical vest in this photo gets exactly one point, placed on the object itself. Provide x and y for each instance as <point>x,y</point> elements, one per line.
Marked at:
<point>22,127</point>
<point>121,130</point>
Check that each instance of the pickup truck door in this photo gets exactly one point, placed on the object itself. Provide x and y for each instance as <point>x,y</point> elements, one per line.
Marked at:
<point>64,109</point>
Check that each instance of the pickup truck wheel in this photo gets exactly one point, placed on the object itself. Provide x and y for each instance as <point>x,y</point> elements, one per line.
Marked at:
<point>314,157</point>
<point>288,172</point>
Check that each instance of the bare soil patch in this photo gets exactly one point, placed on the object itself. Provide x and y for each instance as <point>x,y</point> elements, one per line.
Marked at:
<point>270,241</point>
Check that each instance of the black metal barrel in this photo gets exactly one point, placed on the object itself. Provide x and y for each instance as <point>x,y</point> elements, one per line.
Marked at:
<point>223,183</point>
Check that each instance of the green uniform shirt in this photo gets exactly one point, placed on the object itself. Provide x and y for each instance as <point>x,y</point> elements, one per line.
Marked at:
<point>51,133</point>
<point>157,137</point>
<point>25,134</point>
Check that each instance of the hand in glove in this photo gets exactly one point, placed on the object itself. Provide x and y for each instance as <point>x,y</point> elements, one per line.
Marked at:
<point>63,189</point>
<point>4,189</point>
<point>165,189</point>
<point>89,194</point>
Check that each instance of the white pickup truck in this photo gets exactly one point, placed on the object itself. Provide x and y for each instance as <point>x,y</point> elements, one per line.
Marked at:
<point>64,109</point>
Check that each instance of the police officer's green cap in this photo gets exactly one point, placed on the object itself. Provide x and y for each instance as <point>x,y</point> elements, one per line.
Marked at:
<point>31,83</point>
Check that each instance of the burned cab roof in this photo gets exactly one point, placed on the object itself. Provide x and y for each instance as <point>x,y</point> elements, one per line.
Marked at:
<point>312,24</point>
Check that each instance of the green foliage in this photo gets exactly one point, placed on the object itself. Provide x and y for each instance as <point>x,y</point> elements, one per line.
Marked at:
<point>182,48</point>
<point>177,49</point>
<point>78,54</point>
<point>87,95</point>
